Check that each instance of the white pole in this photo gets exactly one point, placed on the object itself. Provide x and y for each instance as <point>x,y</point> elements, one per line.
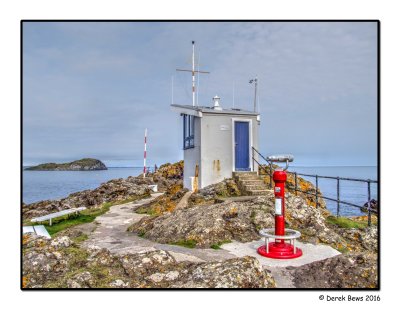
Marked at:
<point>255,93</point>
<point>145,149</point>
<point>193,78</point>
<point>198,81</point>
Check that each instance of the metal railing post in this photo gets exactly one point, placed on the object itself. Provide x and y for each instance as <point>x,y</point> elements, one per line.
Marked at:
<point>316,191</point>
<point>369,202</point>
<point>316,194</point>
<point>338,197</point>
<point>252,156</point>
<point>270,175</point>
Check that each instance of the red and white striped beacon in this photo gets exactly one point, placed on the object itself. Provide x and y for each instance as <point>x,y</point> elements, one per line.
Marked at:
<point>145,150</point>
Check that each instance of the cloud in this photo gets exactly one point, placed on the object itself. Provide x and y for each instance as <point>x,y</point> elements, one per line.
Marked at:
<point>92,88</point>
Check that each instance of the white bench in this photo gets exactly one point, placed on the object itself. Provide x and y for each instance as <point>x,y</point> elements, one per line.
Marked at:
<point>61,213</point>
<point>154,188</point>
<point>37,230</point>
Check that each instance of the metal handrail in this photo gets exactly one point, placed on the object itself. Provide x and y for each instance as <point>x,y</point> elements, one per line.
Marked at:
<point>368,181</point>
<point>341,178</point>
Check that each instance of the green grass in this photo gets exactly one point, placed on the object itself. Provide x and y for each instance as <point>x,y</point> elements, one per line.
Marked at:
<point>187,243</point>
<point>346,222</point>
<point>218,245</point>
<point>146,211</point>
<point>80,238</point>
<point>85,216</point>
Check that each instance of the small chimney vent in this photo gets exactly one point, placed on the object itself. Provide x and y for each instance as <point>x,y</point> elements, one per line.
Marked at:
<point>217,106</point>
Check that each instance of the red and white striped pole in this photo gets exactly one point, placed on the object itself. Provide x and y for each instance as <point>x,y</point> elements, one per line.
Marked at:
<point>145,148</point>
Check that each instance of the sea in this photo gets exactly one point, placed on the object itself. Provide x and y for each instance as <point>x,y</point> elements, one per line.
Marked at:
<point>354,192</point>
<point>52,185</point>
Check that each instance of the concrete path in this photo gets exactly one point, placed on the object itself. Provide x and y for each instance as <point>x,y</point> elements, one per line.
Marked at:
<point>311,253</point>
<point>243,198</point>
<point>111,233</point>
<point>280,269</point>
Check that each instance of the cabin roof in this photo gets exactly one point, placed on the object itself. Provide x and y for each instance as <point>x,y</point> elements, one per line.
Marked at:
<point>199,110</point>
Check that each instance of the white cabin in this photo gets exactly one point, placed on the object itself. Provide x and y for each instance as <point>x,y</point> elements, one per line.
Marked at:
<point>217,142</point>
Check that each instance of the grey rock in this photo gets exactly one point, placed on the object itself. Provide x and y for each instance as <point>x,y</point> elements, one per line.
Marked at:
<point>235,220</point>
<point>342,271</point>
<point>75,267</point>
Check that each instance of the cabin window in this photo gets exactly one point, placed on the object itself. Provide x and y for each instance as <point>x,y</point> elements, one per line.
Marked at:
<point>188,131</point>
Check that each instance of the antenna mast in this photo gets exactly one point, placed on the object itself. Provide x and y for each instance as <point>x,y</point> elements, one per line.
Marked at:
<point>193,71</point>
<point>193,77</point>
<point>255,81</point>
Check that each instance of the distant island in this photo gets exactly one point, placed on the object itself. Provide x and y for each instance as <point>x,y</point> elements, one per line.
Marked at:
<point>86,164</point>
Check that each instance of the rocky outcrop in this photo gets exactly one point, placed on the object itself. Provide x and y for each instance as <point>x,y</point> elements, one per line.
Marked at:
<point>87,164</point>
<point>360,239</point>
<point>111,191</point>
<point>164,203</point>
<point>213,193</point>
<point>167,176</point>
<point>305,188</point>
<point>206,225</point>
<point>373,205</point>
<point>61,263</point>
<point>342,271</point>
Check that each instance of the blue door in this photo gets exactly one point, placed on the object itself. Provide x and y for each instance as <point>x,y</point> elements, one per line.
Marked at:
<point>242,158</point>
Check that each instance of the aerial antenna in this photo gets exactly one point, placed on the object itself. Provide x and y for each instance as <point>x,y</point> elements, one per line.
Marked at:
<point>255,81</point>
<point>193,76</point>
<point>198,81</point>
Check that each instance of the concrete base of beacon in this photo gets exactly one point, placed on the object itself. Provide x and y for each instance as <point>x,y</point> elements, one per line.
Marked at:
<point>280,251</point>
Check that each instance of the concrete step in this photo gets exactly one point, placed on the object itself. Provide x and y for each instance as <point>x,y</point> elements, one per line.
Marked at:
<point>250,183</point>
<point>254,187</point>
<point>246,182</point>
<point>258,192</point>
<point>238,174</point>
<point>246,178</point>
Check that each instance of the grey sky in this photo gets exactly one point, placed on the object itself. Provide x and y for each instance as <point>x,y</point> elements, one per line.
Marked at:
<point>90,89</point>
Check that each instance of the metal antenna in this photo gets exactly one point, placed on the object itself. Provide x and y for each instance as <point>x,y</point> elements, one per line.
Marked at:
<point>193,76</point>
<point>198,81</point>
<point>255,81</point>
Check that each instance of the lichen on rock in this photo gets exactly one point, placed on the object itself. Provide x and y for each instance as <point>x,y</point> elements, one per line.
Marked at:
<point>206,225</point>
<point>305,188</point>
<point>110,192</point>
<point>165,203</point>
<point>211,193</point>
<point>342,271</point>
<point>45,266</point>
